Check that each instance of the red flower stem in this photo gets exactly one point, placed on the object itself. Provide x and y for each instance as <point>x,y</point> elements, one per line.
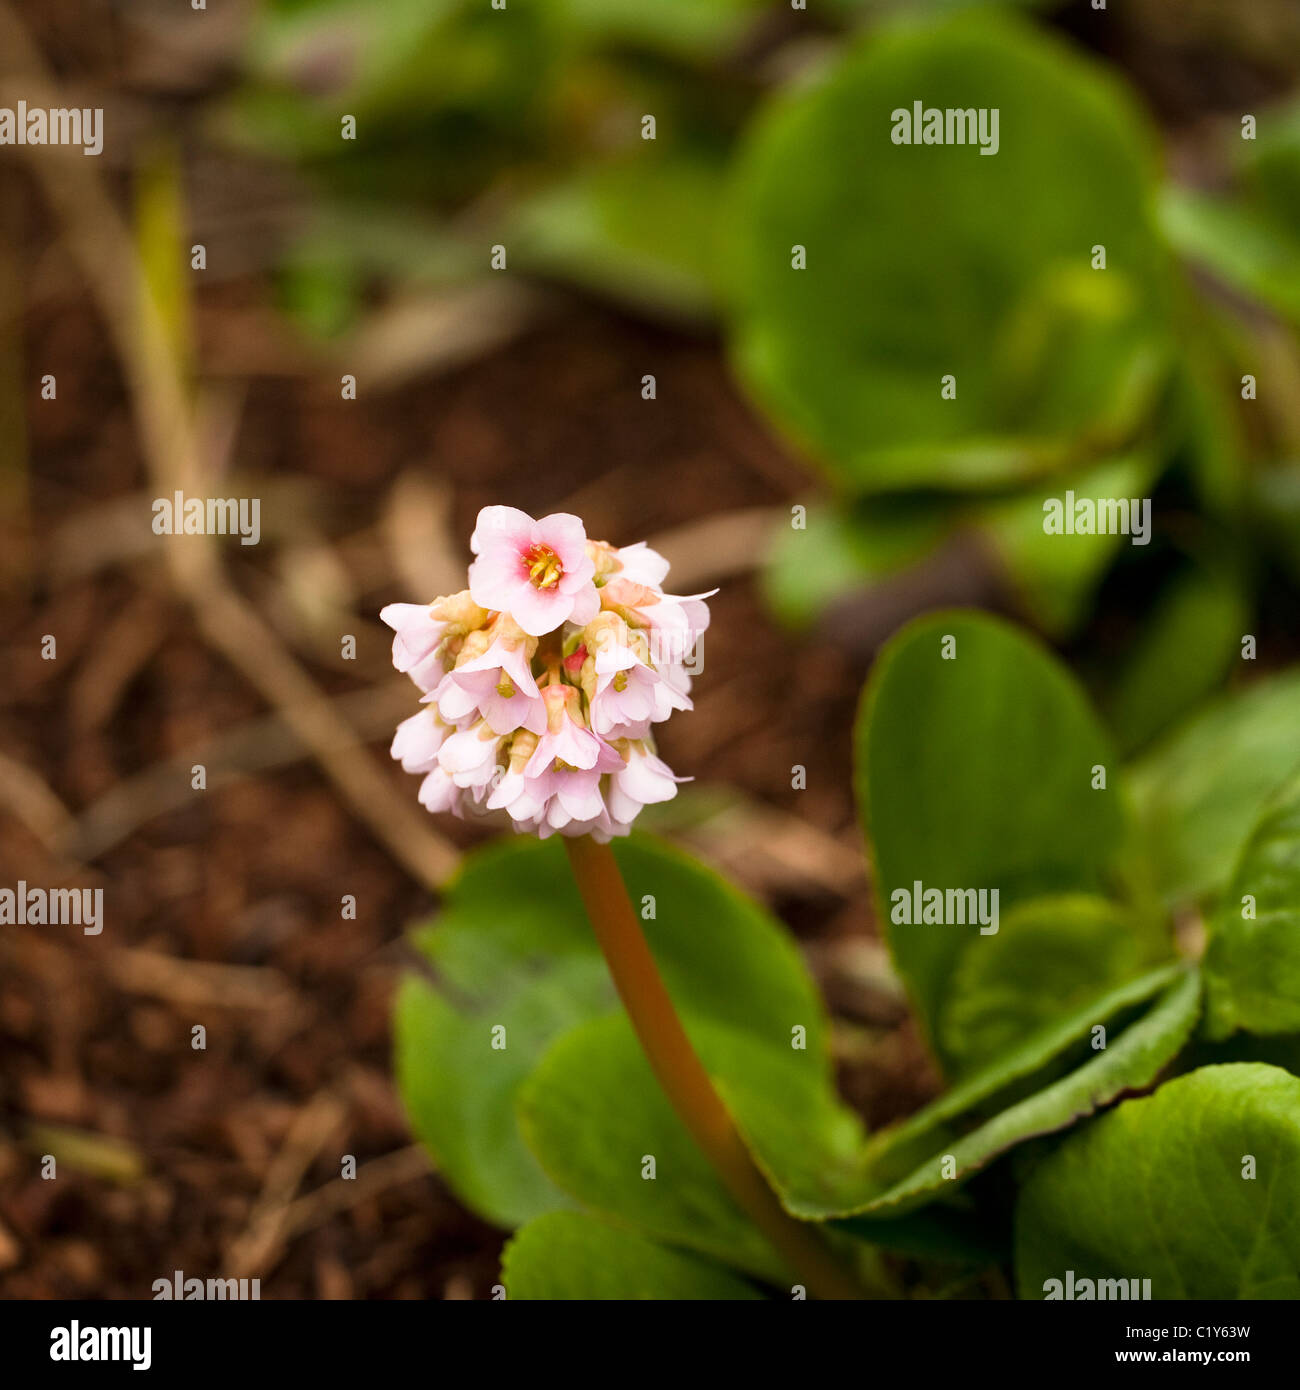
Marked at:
<point>682,1075</point>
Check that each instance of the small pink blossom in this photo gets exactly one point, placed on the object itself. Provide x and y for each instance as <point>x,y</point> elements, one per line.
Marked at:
<point>439,793</point>
<point>642,565</point>
<point>566,740</point>
<point>537,571</point>
<point>416,641</point>
<point>676,621</point>
<point>497,685</point>
<point>469,757</point>
<point>417,742</point>
<point>625,699</point>
<point>523,797</point>
<point>642,781</point>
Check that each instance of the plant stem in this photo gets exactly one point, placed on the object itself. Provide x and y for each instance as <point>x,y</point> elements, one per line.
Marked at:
<point>682,1075</point>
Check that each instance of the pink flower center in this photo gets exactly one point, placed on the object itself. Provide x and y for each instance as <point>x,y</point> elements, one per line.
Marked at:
<point>543,565</point>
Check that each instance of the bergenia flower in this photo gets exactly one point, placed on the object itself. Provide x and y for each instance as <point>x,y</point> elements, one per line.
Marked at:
<point>498,684</point>
<point>537,571</point>
<point>415,645</point>
<point>426,633</point>
<point>542,681</point>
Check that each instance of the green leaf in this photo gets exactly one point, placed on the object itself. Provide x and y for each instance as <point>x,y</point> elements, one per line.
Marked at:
<point>459,1093</point>
<point>1273,163</point>
<point>926,261</point>
<point>841,549</point>
<point>1245,247</point>
<point>1186,650</point>
<point>1274,495</point>
<point>346,56</point>
<point>1200,791</point>
<point>446,94</point>
<point>1050,956</point>
<point>1129,1062</point>
<point>1252,967</point>
<point>1156,1190</point>
<point>683,28</point>
<point>638,228</point>
<point>568,1255</point>
<point>593,1114</point>
<point>1251,238</point>
<point>1055,576</point>
<point>512,949</point>
<point>1050,1052</point>
<point>976,773</point>
<point>928,1157</point>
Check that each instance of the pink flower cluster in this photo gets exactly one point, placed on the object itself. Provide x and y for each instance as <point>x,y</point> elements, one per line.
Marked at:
<point>542,679</point>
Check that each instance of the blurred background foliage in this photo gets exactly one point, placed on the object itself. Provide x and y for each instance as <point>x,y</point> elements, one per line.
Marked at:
<point>771,131</point>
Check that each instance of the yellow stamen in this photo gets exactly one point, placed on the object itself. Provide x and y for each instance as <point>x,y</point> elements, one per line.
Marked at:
<point>544,568</point>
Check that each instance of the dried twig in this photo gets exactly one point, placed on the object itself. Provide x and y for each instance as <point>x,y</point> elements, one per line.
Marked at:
<point>25,794</point>
<point>102,244</point>
<point>101,1155</point>
<point>197,983</point>
<point>770,850</point>
<point>255,746</point>
<point>429,333</point>
<point>258,1248</point>
<point>417,524</point>
<point>124,649</point>
<point>342,1194</point>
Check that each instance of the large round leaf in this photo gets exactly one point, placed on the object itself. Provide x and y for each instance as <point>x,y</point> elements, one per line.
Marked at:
<point>595,1117</point>
<point>926,1160</point>
<point>932,260</point>
<point>1196,1188</point>
<point>517,967</point>
<point>1050,956</point>
<point>976,753</point>
<point>567,1255</point>
<point>1252,968</point>
<point>1200,791</point>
